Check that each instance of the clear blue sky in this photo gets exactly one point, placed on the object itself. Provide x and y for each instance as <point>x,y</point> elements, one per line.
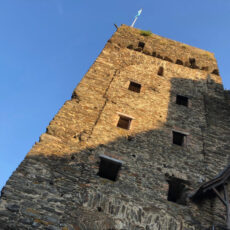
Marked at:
<point>46,47</point>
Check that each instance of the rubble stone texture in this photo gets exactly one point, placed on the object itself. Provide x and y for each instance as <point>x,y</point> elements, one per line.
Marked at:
<point>57,186</point>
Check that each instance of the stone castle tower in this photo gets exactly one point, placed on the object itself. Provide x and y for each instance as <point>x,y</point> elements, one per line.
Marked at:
<point>143,144</point>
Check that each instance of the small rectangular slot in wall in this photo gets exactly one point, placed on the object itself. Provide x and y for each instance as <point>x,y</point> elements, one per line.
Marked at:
<point>182,100</point>
<point>179,138</point>
<point>124,122</point>
<point>160,71</point>
<point>109,167</point>
<point>135,87</point>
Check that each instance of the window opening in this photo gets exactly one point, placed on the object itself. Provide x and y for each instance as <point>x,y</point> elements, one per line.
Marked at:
<point>99,209</point>
<point>192,62</point>
<point>141,45</point>
<point>177,190</point>
<point>161,71</point>
<point>182,100</point>
<point>109,167</point>
<point>135,87</point>
<point>124,122</point>
<point>179,62</point>
<point>215,71</point>
<point>179,138</point>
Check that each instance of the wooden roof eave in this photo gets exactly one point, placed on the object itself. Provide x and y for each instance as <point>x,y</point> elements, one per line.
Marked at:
<point>214,183</point>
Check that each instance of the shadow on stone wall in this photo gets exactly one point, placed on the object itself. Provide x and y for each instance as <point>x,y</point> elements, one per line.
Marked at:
<point>66,192</point>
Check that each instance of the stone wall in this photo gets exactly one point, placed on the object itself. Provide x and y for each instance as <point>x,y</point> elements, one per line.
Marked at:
<point>57,185</point>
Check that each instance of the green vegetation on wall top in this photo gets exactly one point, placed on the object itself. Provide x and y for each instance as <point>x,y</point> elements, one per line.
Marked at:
<point>145,32</point>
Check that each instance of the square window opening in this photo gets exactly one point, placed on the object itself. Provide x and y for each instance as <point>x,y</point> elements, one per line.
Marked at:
<point>141,45</point>
<point>182,100</point>
<point>177,190</point>
<point>109,167</point>
<point>192,61</point>
<point>135,87</point>
<point>179,138</point>
<point>124,122</point>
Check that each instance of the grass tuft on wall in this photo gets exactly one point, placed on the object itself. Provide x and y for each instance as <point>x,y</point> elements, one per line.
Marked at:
<point>146,33</point>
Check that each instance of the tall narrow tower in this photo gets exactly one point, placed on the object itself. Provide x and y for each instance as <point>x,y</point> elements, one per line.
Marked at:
<point>145,127</point>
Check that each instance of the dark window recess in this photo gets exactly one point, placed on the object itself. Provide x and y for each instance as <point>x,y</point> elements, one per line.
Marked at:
<point>215,71</point>
<point>141,45</point>
<point>124,122</point>
<point>161,71</point>
<point>179,138</point>
<point>177,190</point>
<point>179,62</point>
<point>135,87</point>
<point>99,209</point>
<point>182,100</point>
<point>192,62</point>
<point>109,167</point>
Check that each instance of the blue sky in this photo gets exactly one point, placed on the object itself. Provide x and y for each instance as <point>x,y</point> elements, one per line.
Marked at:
<point>46,47</point>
